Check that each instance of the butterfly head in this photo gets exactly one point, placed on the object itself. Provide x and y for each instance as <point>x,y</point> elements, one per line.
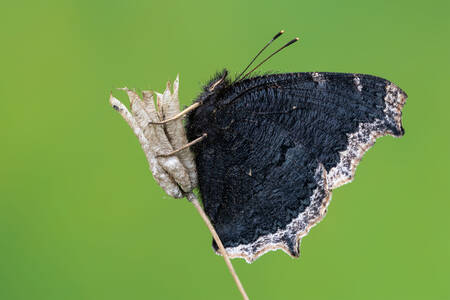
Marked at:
<point>199,121</point>
<point>217,83</point>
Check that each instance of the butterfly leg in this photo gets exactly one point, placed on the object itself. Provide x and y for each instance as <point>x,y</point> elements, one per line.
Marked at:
<point>197,140</point>
<point>179,115</point>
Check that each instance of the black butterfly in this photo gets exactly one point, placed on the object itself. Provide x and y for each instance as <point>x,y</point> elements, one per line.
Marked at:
<point>277,145</point>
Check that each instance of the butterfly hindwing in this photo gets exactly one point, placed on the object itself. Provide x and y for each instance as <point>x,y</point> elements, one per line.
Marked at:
<point>278,144</point>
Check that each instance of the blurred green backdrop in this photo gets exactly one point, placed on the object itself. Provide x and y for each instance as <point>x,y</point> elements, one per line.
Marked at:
<point>76,222</point>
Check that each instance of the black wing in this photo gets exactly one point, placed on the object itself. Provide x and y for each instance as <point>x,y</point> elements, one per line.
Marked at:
<point>278,144</point>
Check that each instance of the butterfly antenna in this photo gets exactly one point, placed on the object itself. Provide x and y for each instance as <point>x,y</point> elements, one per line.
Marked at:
<point>287,44</point>
<point>267,45</point>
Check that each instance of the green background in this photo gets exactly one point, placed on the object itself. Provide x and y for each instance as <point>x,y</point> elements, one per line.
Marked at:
<point>81,216</point>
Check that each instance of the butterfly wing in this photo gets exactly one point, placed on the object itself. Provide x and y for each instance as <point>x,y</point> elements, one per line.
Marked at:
<point>278,144</point>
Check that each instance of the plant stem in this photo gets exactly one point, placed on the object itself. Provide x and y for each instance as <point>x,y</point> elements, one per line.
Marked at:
<point>193,199</point>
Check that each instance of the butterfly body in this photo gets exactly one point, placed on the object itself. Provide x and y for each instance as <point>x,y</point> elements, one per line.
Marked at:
<point>278,144</point>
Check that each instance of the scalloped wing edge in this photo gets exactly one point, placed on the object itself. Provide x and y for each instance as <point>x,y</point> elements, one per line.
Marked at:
<point>289,238</point>
<point>361,141</point>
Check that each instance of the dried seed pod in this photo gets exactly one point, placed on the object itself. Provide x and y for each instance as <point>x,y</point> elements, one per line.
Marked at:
<point>175,129</point>
<point>159,143</point>
<point>160,175</point>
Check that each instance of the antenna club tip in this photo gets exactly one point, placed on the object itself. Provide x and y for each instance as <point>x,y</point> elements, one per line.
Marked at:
<point>281,31</point>
<point>297,38</point>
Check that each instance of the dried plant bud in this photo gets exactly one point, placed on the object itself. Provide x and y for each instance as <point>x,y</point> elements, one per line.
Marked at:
<point>176,174</point>
<point>159,143</point>
<point>162,177</point>
<point>175,130</point>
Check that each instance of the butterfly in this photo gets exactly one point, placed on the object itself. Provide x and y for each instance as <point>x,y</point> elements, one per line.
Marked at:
<point>267,151</point>
<point>275,146</point>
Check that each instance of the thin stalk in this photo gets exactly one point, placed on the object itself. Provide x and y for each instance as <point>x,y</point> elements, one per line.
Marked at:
<point>193,199</point>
